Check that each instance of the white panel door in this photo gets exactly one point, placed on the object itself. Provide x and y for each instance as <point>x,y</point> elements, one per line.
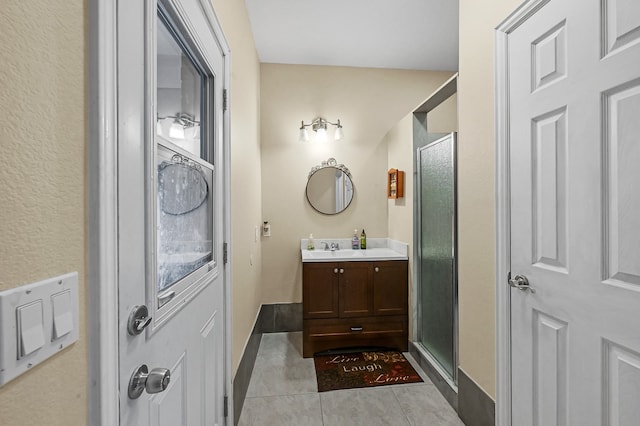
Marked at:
<point>574,141</point>
<point>171,225</point>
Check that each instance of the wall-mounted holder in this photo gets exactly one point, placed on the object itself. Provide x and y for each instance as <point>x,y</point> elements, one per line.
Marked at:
<point>266,229</point>
<point>395,184</point>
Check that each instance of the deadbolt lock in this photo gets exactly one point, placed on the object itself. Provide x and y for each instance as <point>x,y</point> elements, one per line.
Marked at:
<point>139,319</point>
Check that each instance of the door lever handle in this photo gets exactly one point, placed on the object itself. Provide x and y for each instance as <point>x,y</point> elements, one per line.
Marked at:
<point>521,283</point>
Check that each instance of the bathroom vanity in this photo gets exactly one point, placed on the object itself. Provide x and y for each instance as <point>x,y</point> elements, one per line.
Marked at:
<point>355,298</point>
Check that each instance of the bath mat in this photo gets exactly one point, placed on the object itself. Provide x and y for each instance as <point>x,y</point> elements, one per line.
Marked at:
<point>363,369</point>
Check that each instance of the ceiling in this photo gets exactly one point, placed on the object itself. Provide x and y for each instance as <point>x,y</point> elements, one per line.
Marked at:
<point>404,34</point>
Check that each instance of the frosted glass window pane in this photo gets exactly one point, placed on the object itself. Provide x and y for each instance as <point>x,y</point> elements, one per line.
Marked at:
<point>184,218</point>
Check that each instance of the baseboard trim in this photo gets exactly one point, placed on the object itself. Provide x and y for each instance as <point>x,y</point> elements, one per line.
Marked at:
<point>449,393</point>
<point>475,406</point>
<point>273,318</point>
<point>245,368</point>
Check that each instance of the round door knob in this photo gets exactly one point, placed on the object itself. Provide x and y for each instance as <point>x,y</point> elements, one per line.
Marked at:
<point>153,382</point>
<point>335,270</point>
<point>158,380</point>
<point>341,271</point>
<point>377,269</point>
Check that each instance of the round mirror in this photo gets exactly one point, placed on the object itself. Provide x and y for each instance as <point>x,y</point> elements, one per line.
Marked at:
<point>181,188</point>
<point>329,188</point>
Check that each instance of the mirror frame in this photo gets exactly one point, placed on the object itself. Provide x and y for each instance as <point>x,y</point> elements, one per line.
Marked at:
<point>330,163</point>
<point>190,170</point>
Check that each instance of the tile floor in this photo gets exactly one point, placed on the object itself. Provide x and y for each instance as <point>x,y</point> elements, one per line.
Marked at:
<point>283,391</point>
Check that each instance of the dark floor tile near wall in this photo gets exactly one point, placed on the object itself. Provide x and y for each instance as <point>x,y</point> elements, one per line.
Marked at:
<point>266,319</point>
<point>475,407</point>
<point>280,318</point>
<point>287,317</point>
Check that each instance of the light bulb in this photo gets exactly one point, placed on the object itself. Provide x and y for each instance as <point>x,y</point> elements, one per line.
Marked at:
<point>176,131</point>
<point>321,135</point>
<point>304,135</point>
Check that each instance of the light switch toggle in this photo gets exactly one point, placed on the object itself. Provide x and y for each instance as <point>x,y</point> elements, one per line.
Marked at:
<point>62,316</point>
<point>30,328</point>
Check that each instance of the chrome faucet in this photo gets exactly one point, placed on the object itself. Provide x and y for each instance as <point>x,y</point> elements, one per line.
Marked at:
<point>330,246</point>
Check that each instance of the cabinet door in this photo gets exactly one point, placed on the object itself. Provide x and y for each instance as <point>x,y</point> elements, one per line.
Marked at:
<point>355,289</point>
<point>390,288</point>
<point>320,290</point>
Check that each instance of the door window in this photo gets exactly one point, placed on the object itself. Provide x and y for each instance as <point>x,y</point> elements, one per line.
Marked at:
<point>184,203</point>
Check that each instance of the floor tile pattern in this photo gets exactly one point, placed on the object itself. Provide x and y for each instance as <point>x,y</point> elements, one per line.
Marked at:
<point>283,391</point>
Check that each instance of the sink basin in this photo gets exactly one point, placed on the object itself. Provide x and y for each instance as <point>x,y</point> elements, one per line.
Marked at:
<point>351,255</point>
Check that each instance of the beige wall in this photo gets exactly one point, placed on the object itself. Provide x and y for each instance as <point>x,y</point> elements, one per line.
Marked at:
<point>246,188</point>
<point>43,86</point>
<point>476,237</point>
<point>368,102</point>
<point>444,117</point>
<point>399,142</point>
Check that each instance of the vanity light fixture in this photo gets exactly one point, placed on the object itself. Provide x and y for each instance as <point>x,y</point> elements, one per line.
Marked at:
<point>319,125</point>
<point>181,121</point>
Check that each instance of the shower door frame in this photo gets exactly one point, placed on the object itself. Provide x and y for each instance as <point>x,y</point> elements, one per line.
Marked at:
<point>453,379</point>
<point>447,387</point>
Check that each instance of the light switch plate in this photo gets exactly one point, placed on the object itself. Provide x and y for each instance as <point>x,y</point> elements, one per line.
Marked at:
<point>20,309</point>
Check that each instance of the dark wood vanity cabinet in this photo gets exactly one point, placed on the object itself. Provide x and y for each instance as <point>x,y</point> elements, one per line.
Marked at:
<point>352,304</point>
<point>354,290</point>
<point>390,294</point>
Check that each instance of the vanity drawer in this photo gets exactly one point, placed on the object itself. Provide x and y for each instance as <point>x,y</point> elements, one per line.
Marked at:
<point>323,334</point>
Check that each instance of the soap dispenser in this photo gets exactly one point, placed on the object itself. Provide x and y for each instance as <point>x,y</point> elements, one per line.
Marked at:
<point>363,240</point>
<point>310,244</point>
<point>355,241</point>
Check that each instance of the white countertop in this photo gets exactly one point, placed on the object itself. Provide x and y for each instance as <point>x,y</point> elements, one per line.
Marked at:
<point>378,249</point>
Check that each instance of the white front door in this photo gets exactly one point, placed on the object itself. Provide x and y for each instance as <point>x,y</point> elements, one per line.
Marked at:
<point>574,170</point>
<point>171,214</point>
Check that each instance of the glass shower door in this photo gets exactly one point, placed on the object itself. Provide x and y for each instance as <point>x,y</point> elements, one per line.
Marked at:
<point>437,251</point>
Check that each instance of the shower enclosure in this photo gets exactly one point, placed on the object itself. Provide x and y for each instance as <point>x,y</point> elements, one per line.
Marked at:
<point>436,244</point>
